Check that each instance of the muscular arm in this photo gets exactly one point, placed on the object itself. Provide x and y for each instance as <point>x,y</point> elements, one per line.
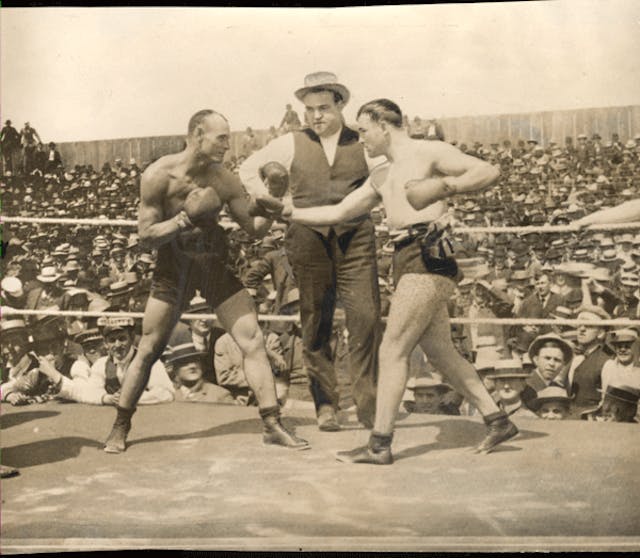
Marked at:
<point>358,202</point>
<point>153,228</point>
<point>462,174</point>
<point>623,213</point>
<point>238,202</point>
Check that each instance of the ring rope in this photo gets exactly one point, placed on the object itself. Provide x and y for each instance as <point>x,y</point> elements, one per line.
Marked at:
<point>619,322</point>
<point>492,229</point>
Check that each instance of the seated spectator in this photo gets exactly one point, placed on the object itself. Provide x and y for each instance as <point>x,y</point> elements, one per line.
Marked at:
<point>201,333</point>
<point>549,354</point>
<point>430,396</point>
<point>186,365</point>
<point>21,376</point>
<point>551,403</point>
<point>92,346</point>
<point>621,370</point>
<point>107,373</point>
<point>619,404</point>
<point>510,380</point>
<point>48,292</point>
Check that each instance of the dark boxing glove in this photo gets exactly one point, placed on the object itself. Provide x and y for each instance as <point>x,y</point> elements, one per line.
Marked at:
<point>267,207</point>
<point>276,178</point>
<point>202,206</point>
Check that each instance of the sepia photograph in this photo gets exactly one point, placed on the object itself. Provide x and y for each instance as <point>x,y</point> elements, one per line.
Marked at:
<point>356,279</point>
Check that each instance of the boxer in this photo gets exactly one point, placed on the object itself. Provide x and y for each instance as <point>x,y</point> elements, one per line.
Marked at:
<point>419,175</point>
<point>181,196</point>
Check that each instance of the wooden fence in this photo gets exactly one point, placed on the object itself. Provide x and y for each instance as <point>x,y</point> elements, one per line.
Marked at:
<point>542,126</point>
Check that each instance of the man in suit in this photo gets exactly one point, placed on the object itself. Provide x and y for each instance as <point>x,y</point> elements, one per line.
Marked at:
<point>326,162</point>
<point>539,304</point>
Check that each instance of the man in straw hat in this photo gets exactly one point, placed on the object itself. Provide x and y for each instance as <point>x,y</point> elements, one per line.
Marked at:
<point>413,186</point>
<point>509,379</point>
<point>181,196</point>
<point>622,370</point>
<point>326,163</point>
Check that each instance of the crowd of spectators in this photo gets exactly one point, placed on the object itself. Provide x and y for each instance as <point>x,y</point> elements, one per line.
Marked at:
<point>549,372</point>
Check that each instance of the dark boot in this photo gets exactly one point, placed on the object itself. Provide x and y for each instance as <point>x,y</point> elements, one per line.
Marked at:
<point>377,452</point>
<point>275,433</point>
<point>117,440</point>
<point>327,419</point>
<point>499,429</point>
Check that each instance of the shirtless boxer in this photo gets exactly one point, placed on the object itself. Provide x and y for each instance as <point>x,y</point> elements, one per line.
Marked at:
<point>412,186</point>
<point>181,197</point>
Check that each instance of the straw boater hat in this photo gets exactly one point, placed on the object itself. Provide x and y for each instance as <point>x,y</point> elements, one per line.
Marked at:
<point>49,274</point>
<point>550,393</point>
<point>184,353</point>
<point>508,368</point>
<point>323,80</point>
<point>428,383</point>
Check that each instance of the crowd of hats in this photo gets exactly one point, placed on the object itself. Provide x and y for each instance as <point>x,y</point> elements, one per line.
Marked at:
<point>105,267</point>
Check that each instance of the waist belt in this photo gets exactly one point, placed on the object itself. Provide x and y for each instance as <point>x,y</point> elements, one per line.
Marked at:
<point>433,238</point>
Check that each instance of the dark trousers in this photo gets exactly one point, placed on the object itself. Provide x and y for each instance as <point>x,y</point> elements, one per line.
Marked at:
<point>344,267</point>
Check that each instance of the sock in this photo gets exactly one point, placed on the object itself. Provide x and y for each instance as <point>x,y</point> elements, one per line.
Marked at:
<point>378,442</point>
<point>267,412</point>
<point>124,415</point>
<point>495,417</point>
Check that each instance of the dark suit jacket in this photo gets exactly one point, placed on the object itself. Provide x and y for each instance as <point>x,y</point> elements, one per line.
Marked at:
<point>532,308</point>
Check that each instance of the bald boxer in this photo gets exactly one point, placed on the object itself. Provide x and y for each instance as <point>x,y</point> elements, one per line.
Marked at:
<point>181,196</point>
<point>413,185</point>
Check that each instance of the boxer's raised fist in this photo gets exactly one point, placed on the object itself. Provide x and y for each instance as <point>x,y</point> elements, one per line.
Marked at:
<point>202,206</point>
<point>276,178</point>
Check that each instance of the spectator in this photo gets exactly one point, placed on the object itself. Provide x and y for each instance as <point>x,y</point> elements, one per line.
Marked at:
<point>290,121</point>
<point>621,370</point>
<point>430,397</point>
<point>583,380</point>
<point>10,143</point>
<point>539,304</point>
<point>186,364</point>
<point>248,143</point>
<point>509,381</point>
<point>107,372</point>
<point>21,377</point>
<point>201,333</point>
<point>48,293</point>
<point>550,356</point>
<point>29,139</point>
<point>620,404</point>
<point>53,159</point>
<point>551,403</point>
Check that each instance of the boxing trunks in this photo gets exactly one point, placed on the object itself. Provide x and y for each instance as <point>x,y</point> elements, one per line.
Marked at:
<point>195,259</point>
<point>424,248</point>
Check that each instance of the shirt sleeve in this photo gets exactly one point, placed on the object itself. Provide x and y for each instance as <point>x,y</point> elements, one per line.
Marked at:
<point>88,391</point>
<point>279,149</point>
<point>159,388</point>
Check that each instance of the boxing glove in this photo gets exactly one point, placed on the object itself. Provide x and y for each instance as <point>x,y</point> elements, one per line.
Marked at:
<point>202,206</point>
<point>266,206</point>
<point>276,178</point>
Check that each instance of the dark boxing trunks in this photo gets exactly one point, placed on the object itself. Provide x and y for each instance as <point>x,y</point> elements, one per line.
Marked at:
<point>195,259</point>
<point>424,252</point>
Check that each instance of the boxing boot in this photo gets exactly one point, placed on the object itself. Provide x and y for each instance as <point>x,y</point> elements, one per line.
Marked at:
<point>117,440</point>
<point>275,433</point>
<point>377,452</point>
<point>499,430</point>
